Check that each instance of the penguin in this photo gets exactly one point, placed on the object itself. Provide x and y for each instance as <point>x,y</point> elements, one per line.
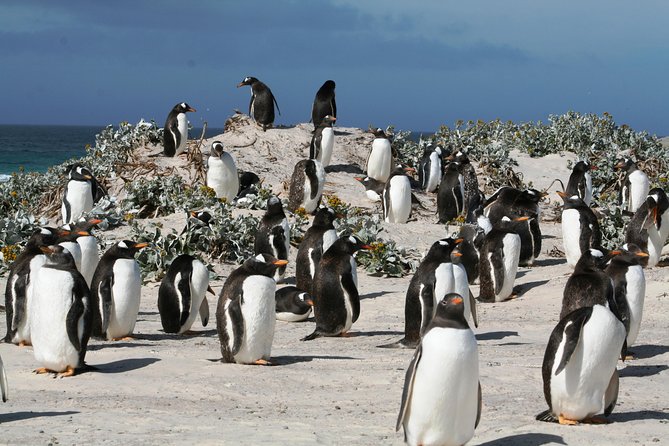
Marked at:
<point>175,132</point>
<point>397,196</point>
<point>635,186</point>
<point>430,168</point>
<point>88,247</point>
<point>273,235</point>
<point>441,399</point>
<point>511,202</point>
<point>461,284</point>
<point>60,314</point>
<point>580,181</point>
<point>579,366</point>
<point>261,107</point>
<point>324,103</point>
<point>380,159</point>
<point>70,242</point>
<point>292,304</point>
<point>79,195</point>
<point>373,188</point>
<point>246,311</point>
<point>527,227</point>
<point>4,387</point>
<point>19,287</point>
<point>116,290</point>
<point>659,231</point>
<point>322,141</point>
<point>182,295</point>
<point>638,227</point>
<point>580,228</point>
<point>306,186</point>
<point>588,284</point>
<point>469,181</point>
<point>336,298</point>
<point>450,196</point>
<point>472,238</point>
<point>317,239</point>
<point>222,173</point>
<point>247,183</point>
<point>499,255</point>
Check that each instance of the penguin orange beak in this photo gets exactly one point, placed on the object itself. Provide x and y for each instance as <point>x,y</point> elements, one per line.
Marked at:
<point>361,179</point>
<point>365,247</point>
<point>457,253</point>
<point>409,170</point>
<point>457,300</point>
<point>241,84</point>
<point>190,109</point>
<point>141,245</point>
<point>619,165</point>
<point>46,250</point>
<point>88,177</point>
<point>83,233</point>
<point>94,221</point>
<point>615,253</point>
<point>642,254</point>
<point>562,194</point>
<point>523,218</point>
<point>280,262</point>
<point>309,301</point>
<point>459,240</point>
<point>211,290</point>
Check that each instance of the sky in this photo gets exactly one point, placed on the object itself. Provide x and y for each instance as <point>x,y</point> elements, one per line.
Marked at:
<point>415,65</point>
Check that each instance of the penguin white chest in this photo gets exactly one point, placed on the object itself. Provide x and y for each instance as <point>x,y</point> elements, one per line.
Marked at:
<point>434,177</point>
<point>327,144</point>
<point>639,187</point>
<point>398,199</point>
<point>23,328</point>
<point>199,283</point>
<point>310,204</point>
<point>587,196</point>
<point>511,242</point>
<point>444,283</point>
<point>182,125</point>
<point>78,200</point>
<point>571,235</point>
<point>125,298</point>
<point>259,313</point>
<point>89,257</point>
<point>636,292</point>
<point>222,176</point>
<point>380,160</point>
<point>75,250</point>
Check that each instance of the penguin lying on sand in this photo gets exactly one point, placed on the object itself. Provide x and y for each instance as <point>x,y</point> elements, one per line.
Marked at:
<point>293,304</point>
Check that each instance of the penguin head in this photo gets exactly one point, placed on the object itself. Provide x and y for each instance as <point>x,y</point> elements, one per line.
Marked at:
<point>70,233</point>
<point>128,248</point>
<point>45,236</point>
<point>441,249</point>
<point>327,121</point>
<point>263,265</point>
<point>378,132</point>
<point>328,87</point>
<point>572,201</point>
<point>630,254</point>
<point>626,164</point>
<point>305,298</point>
<point>371,184</point>
<point>324,217</point>
<point>274,206</point>
<point>451,308</point>
<point>78,172</point>
<point>85,225</point>
<point>592,259</point>
<point>217,149</point>
<point>182,107</point>
<point>453,167</point>
<point>247,81</point>
<point>583,166</point>
<point>460,157</point>
<point>533,195</point>
<point>58,255</point>
<point>348,244</point>
<point>199,218</point>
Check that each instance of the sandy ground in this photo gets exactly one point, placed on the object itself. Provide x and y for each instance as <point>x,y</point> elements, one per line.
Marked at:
<point>168,389</point>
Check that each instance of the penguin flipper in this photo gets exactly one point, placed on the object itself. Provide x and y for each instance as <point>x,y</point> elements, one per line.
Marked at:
<point>348,284</point>
<point>611,394</point>
<point>105,296</point>
<point>184,289</point>
<point>497,263</point>
<point>72,323</point>
<point>310,171</point>
<point>204,311</point>
<point>230,347</point>
<point>4,388</point>
<point>407,391</point>
<point>275,103</point>
<point>478,411</point>
<point>426,300</point>
<point>472,306</point>
<point>19,304</point>
<point>174,131</point>
<point>385,203</point>
<point>572,333</point>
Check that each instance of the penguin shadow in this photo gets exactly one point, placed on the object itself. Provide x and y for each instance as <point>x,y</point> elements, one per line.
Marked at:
<point>549,262</point>
<point>113,344</point>
<point>346,168</point>
<point>640,371</point>
<point>162,336</point>
<point>649,351</point>
<point>521,290</point>
<point>374,295</point>
<point>341,132</point>
<point>27,415</point>
<point>361,334</point>
<point>528,439</point>
<point>495,335</point>
<point>122,366</point>
<point>623,417</point>
<point>294,359</point>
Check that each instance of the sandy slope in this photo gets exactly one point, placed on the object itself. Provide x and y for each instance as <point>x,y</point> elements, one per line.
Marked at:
<point>164,389</point>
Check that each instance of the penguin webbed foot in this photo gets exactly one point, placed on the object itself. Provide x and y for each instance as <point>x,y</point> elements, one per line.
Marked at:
<point>402,343</point>
<point>42,371</point>
<point>566,421</point>
<point>124,338</point>
<point>262,362</point>
<point>546,416</point>
<point>70,371</point>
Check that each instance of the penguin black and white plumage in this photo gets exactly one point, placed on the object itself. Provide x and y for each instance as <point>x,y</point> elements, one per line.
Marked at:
<point>461,284</point>
<point>79,195</point>
<point>527,227</point>
<point>60,314</point>
<point>324,103</point>
<point>469,180</point>
<point>450,197</point>
<point>396,201</point>
<point>373,188</point>
<point>306,186</point>
<point>222,173</point>
<point>322,141</point>
<point>335,296</point>
<point>317,239</point>
<point>293,304</point>
<point>19,287</point>
<point>273,236</point>
<point>261,107</point>
<point>588,284</point>
<point>182,295</point>
<point>511,202</point>
<point>580,228</point>
<point>246,311</point>
<point>472,238</point>
<point>4,386</point>
<point>69,242</point>
<point>88,247</point>
<point>635,185</point>
<point>498,262</point>
<point>658,232</point>
<point>380,159</point>
<point>579,366</point>
<point>175,133</point>
<point>441,400</point>
<point>116,291</point>
<point>580,181</point>
<point>430,168</point>
<point>638,227</point>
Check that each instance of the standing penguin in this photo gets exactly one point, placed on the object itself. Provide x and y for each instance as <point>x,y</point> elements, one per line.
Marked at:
<point>397,197</point>
<point>580,182</point>
<point>380,159</point>
<point>306,186</point>
<point>246,311</point>
<point>175,134</point>
<point>498,264</point>
<point>273,236</point>
<point>222,173</point>
<point>318,238</point>
<point>469,181</point>
<point>472,238</point>
<point>322,141</point>
<point>324,103</point>
<point>635,185</point>
<point>430,168</point>
<point>182,295</point>
<point>638,228</point>
<point>588,285</point>
<point>4,387</point>
<point>88,245</point>
<point>461,284</point>
<point>373,188</point>
<point>116,290</point>
<point>79,195</point>
<point>336,299</point>
<point>261,107</point>
<point>580,228</point>
<point>511,202</point>
<point>60,314</point>
<point>658,232</point>
<point>441,400</point>
<point>293,304</point>
<point>450,196</point>
<point>527,227</point>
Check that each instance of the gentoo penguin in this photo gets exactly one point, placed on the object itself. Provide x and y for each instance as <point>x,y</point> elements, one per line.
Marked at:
<point>182,295</point>
<point>306,186</point>
<point>396,201</point>
<point>373,188</point>
<point>588,284</point>
<point>261,107</point>
<point>246,311</point>
<point>273,235</point>
<point>19,288</point>
<point>629,283</point>
<point>580,181</point>
<point>527,227</point>
<point>222,173</point>
<point>461,284</point>
<point>322,141</point>
<point>175,133</point>
<point>318,238</point>
<point>472,238</point>
<point>79,195</point>
<point>60,314</point>
<point>4,387</point>
<point>69,242</point>
<point>579,367</point>
<point>441,400</point>
<point>580,228</point>
<point>336,299</point>
<point>324,103</point>
<point>116,290</point>
<point>469,181</point>
<point>659,231</point>
<point>88,246</point>
<point>498,263</point>
<point>450,195</point>
<point>380,159</point>
<point>430,168</point>
<point>511,202</point>
<point>292,304</point>
<point>638,227</point>
<point>635,186</point>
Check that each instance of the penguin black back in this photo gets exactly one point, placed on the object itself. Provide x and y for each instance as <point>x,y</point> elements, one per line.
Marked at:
<point>172,134</point>
<point>311,248</point>
<point>450,198</point>
<point>588,285</point>
<point>324,103</point>
<point>578,184</point>
<point>261,106</point>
